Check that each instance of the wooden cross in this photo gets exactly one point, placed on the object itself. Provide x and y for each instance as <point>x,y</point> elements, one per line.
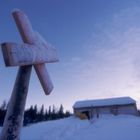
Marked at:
<point>34,51</point>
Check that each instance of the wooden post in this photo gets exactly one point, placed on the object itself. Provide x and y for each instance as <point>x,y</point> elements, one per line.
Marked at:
<point>14,116</point>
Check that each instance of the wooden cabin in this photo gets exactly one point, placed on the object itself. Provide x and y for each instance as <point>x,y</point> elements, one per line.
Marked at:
<point>88,109</point>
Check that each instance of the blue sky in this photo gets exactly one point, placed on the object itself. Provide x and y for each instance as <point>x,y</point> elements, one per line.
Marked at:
<point>97,43</point>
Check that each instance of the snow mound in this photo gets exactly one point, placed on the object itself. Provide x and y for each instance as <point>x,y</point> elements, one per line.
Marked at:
<point>107,127</point>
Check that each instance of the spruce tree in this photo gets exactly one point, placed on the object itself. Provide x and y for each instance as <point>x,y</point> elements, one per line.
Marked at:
<point>61,111</point>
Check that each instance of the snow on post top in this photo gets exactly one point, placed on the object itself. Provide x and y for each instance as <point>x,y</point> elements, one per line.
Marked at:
<point>16,10</point>
<point>104,102</point>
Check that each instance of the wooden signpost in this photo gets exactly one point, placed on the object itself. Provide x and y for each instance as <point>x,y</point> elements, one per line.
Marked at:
<point>34,51</point>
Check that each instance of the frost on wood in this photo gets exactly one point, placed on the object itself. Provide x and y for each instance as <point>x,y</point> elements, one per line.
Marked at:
<point>13,119</point>
<point>25,54</point>
<point>44,78</point>
<point>40,40</point>
<point>24,27</point>
<point>29,36</point>
<point>16,10</point>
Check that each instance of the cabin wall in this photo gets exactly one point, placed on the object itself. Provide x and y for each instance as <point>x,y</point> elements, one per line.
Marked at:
<point>104,110</point>
<point>114,109</point>
<point>131,109</point>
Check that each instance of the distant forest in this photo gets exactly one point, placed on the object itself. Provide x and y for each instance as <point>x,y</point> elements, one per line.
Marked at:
<point>35,114</point>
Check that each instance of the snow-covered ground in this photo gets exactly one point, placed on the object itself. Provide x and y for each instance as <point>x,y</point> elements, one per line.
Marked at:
<point>107,127</point>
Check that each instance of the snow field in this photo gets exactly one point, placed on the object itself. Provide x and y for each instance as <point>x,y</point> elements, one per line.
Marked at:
<point>107,127</point>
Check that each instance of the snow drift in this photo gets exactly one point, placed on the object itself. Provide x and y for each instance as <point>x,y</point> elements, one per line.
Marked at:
<point>107,127</point>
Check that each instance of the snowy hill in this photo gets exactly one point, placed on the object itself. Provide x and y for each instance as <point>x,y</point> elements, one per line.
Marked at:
<point>107,127</point>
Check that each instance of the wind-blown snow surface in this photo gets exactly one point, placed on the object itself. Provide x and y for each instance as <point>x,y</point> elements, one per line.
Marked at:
<point>122,127</point>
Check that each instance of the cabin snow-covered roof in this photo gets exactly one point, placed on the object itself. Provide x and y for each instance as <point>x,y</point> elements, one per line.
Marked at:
<point>104,102</point>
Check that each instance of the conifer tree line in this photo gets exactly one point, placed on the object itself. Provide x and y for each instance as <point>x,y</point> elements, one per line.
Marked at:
<point>35,114</point>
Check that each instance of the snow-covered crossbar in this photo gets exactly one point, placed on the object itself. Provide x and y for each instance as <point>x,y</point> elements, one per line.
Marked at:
<point>26,54</point>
